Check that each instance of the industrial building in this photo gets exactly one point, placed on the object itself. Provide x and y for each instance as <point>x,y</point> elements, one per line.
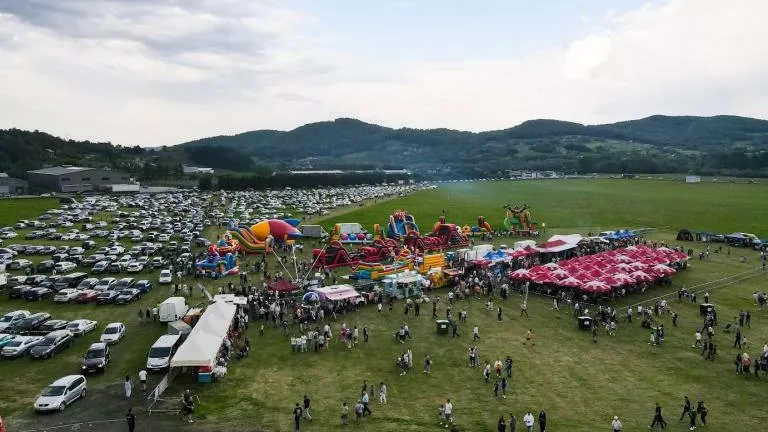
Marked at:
<point>72,179</point>
<point>12,186</point>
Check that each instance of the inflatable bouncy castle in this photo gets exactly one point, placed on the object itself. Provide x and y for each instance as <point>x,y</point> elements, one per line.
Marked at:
<point>261,237</point>
<point>214,265</point>
<point>482,226</point>
<point>519,219</point>
<point>400,224</point>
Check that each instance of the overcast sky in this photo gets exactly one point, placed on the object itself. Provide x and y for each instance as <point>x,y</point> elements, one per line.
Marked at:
<point>161,72</point>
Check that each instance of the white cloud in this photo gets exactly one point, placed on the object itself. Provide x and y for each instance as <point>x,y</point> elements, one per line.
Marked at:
<point>153,72</point>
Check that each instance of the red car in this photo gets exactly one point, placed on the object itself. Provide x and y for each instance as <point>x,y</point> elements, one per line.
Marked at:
<point>88,296</point>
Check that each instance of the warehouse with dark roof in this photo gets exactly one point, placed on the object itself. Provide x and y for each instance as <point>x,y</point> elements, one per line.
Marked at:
<point>72,179</point>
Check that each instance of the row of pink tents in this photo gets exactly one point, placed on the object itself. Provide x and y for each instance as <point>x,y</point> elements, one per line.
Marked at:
<point>602,272</point>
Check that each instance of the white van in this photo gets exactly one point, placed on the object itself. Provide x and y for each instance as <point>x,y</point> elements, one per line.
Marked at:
<point>172,309</point>
<point>162,350</point>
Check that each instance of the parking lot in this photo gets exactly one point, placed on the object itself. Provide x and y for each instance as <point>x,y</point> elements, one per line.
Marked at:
<point>80,266</point>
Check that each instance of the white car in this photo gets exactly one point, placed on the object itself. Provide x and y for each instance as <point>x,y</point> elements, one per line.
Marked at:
<point>7,235</point>
<point>65,266</point>
<point>12,318</point>
<point>113,333</point>
<point>134,267</point>
<point>80,327</point>
<point>166,277</point>
<point>65,295</point>
<point>20,345</point>
<point>61,393</point>
<point>20,264</point>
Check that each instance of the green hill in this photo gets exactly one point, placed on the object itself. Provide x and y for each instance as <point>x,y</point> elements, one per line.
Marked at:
<point>720,145</point>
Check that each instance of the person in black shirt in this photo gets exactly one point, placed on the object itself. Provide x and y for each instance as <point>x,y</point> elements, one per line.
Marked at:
<point>542,421</point>
<point>297,415</point>
<point>502,425</point>
<point>686,408</point>
<point>131,420</point>
<point>658,419</point>
<point>306,408</point>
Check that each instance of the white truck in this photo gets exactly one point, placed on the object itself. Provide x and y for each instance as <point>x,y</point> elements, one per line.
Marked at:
<point>172,309</point>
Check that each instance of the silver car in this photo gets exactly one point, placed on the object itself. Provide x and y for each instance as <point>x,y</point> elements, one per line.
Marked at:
<point>61,393</point>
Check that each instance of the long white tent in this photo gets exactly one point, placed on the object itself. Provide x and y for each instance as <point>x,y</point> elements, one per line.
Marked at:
<point>204,341</point>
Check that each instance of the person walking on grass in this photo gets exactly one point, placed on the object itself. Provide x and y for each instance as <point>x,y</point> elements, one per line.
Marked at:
<point>616,424</point>
<point>307,405</point>
<point>528,421</point>
<point>504,385</point>
<point>658,419</point>
<point>702,410</point>
<point>524,309</point>
<point>686,408</point>
<point>365,404</point>
<point>188,405</point>
<point>344,414</point>
<point>359,409</point>
<point>501,426</point>
<point>475,333</point>
<point>383,393</point>
<point>542,421</point>
<point>448,409</point>
<point>427,364</point>
<point>499,316</point>
<point>529,337</point>
<point>297,415</point>
<point>692,415</point>
<point>512,423</point>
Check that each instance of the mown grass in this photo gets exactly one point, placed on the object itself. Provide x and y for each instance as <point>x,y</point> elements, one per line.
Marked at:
<point>13,209</point>
<point>584,203</point>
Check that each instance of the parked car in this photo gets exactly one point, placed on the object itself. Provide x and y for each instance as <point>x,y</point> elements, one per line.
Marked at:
<point>134,267</point>
<point>157,262</point>
<point>5,339</point>
<point>144,286</point>
<point>161,352</point>
<point>65,266</point>
<point>19,291</point>
<point>100,267</point>
<point>108,296</point>
<point>52,344</point>
<point>127,296</point>
<point>96,358</point>
<point>11,318</point>
<point>88,296</point>
<point>125,283</point>
<point>106,284</point>
<point>52,325</point>
<point>114,267</point>
<point>46,266</point>
<point>20,346</point>
<point>113,333</point>
<point>62,392</point>
<point>65,295</point>
<point>80,327</point>
<point>166,277</point>
<point>38,294</point>
<point>47,250</point>
<point>87,283</point>
<point>20,264</point>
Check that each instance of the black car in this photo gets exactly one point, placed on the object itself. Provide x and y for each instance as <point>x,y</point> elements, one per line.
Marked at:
<point>47,250</point>
<point>32,249</point>
<point>38,293</point>
<point>29,324</point>
<point>87,284</point>
<point>114,268</point>
<point>107,297</point>
<point>18,291</point>
<point>100,267</point>
<point>91,260</point>
<point>46,266</point>
<point>35,280</point>
<point>88,244</point>
<point>128,296</point>
<point>51,325</point>
<point>51,344</point>
<point>96,358</point>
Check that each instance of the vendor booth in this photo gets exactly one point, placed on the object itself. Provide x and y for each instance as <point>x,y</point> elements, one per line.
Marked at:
<point>201,348</point>
<point>404,285</point>
<point>336,293</point>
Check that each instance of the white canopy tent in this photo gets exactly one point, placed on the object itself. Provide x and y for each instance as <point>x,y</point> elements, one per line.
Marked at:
<point>203,343</point>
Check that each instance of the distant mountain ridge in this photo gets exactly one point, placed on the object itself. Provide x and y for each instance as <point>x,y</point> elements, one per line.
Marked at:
<point>657,144</point>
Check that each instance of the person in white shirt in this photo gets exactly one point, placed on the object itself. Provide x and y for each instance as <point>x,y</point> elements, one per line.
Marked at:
<point>448,410</point>
<point>528,421</point>
<point>383,394</point>
<point>475,333</point>
<point>616,424</point>
<point>143,379</point>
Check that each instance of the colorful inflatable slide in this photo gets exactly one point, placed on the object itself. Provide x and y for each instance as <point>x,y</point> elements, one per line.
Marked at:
<point>216,265</point>
<point>400,224</point>
<point>260,238</point>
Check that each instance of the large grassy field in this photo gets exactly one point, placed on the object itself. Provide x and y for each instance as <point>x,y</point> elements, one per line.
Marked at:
<point>583,204</point>
<point>580,384</point>
<point>11,210</point>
